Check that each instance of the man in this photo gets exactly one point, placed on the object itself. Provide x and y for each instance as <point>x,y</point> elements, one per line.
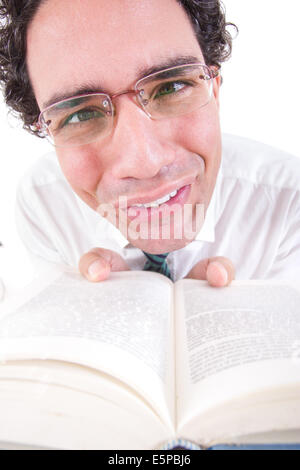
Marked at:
<point>132,107</point>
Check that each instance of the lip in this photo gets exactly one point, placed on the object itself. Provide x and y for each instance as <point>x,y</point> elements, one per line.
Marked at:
<point>146,213</point>
<point>157,194</point>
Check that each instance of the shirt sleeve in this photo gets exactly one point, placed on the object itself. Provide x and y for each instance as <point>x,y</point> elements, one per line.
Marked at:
<point>31,222</point>
<point>286,265</point>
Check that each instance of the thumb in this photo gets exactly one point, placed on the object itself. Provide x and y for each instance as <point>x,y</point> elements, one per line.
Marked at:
<point>97,264</point>
<point>218,271</point>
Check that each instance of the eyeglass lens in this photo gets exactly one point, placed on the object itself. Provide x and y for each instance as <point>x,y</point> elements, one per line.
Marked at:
<point>172,92</point>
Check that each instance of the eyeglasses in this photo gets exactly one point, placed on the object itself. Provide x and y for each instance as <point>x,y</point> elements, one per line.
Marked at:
<point>168,93</point>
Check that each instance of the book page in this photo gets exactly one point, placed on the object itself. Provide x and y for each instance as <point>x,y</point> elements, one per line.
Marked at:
<point>234,341</point>
<point>67,406</point>
<point>122,326</point>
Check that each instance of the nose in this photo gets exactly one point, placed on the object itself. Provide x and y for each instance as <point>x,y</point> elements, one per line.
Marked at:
<point>139,147</point>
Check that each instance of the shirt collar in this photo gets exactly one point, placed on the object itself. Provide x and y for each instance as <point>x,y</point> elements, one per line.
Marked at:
<point>207,232</point>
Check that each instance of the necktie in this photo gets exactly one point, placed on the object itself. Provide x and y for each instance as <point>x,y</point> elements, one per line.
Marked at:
<point>157,264</point>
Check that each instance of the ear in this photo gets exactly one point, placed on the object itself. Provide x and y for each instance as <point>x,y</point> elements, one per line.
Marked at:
<point>43,130</point>
<point>217,82</point>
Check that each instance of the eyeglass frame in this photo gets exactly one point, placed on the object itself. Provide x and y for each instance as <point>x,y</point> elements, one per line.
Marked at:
<point>213,71</point>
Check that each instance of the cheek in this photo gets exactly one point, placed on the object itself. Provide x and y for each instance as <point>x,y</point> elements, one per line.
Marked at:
<point>81,168</point>
<point>200,133</point>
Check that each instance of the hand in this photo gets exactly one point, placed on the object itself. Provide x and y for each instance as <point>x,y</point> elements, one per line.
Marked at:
<point>218,271</point>
<point>97,264</point>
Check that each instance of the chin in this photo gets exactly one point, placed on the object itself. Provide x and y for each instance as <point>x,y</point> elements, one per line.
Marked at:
<point>167,237</point>
<point>157,247</point>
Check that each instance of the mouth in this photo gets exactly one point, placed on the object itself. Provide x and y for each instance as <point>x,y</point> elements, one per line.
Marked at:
<point>158,202</point>
<point>176,198</point>
<point>156,198</point>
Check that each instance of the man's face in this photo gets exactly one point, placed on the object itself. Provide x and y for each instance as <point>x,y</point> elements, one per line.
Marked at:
<point>105,46</point>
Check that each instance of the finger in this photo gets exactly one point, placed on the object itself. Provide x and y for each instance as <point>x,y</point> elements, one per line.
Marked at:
<point>218,271</point>
<point>97,264</point>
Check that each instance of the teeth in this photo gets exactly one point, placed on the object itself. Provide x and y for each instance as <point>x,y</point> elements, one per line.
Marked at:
<point>158,202</point>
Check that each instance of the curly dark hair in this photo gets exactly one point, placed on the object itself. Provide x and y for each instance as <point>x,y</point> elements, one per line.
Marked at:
<point>207,18</point>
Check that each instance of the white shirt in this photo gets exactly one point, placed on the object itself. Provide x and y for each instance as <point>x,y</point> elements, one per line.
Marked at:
<point>253,217</point>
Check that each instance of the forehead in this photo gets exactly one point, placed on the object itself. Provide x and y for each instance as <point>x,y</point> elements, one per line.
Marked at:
<point>95,41</point>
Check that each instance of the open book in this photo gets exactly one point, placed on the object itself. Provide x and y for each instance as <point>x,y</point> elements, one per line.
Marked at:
<point>136,361</point>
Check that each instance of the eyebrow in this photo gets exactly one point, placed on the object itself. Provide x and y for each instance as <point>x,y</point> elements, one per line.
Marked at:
<point>88,88</point>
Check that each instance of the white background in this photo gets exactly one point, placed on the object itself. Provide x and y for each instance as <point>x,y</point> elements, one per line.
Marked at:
<point>260,99</point>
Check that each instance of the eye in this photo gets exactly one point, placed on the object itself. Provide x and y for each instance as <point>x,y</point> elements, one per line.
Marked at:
<point>82,116</point>
<point>169,88</point>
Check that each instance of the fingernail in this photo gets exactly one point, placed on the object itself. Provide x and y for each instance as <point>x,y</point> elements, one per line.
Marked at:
<point>219,272</point>
<point>95,269</point>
